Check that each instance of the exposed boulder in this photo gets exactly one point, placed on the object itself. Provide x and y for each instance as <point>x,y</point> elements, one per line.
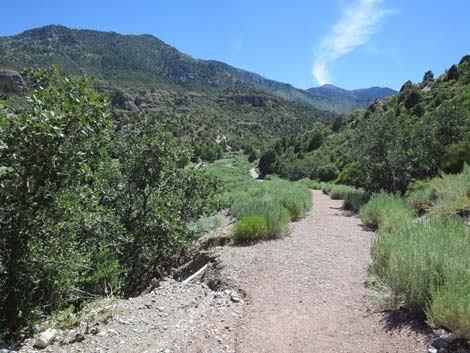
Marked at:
<point>118,98</point>
<point>11,82</point>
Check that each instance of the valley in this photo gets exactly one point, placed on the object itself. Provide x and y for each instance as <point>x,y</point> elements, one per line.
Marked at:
<point>154,202</point>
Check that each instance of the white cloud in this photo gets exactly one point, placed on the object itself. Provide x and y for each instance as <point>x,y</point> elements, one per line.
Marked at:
<point>357,24</point>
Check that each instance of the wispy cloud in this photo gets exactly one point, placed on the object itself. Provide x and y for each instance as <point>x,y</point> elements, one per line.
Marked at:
<point>357,24</point>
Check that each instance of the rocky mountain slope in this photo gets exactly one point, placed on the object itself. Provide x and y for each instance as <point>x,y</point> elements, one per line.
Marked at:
<point>135,61</point>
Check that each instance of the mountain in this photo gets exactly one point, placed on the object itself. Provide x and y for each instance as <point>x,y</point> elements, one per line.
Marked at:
<point>343,101</point>
<point>135,61</point>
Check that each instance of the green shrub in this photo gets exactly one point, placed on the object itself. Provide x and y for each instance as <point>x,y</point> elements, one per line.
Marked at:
<point>327,187</point>
<point>352,174</point>
<point>250,228</point>
<point>311,184</point>
<point>267,162</point>
<point>206,224</point>
<point>278,201</point>
<point>338,192</point>
<point>442,197</point>
<point>355,199</point>
<point>450,306</point>
<point>421,195</point>
<point>452,194</point>
<point>455,157</point>
<point>419,260</point>
<point>385,211</point>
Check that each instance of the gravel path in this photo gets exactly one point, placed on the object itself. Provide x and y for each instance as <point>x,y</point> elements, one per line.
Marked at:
<point>306,293</point>
<point>303,293</point>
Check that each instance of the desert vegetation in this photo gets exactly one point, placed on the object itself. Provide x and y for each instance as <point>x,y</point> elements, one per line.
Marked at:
<point>87,209</point>
<point>421,248</point>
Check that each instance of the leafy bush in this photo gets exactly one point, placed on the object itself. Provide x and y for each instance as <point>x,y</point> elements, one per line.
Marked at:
<point>352,174</point>
<point>209,152</point>
<point>442,197</point>
<point>206,224</point>
<point>85,208</point>
<point>455,157</point>
<point>267,162</point>
<point>250,228</point>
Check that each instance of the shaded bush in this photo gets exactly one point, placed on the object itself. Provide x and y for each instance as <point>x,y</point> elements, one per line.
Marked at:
<point>355,199</point>
<point>267,162</point>
<point>352,174</point>
<point>455,157</point>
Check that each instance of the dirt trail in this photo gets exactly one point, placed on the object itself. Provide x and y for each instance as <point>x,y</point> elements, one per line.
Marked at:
<point>306,292</point>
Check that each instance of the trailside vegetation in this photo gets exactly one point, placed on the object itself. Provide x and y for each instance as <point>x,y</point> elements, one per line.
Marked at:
<point>414,135</point>
<point>87,208</point>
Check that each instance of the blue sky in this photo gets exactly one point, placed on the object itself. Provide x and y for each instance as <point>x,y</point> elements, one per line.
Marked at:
<point>350,43</point>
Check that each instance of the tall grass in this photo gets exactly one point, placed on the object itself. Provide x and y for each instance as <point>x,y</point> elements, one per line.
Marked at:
<point>311,184</point>
<point>444,196</point>
<point>384,211</point>
<point>277,201</point>
<point>423,263</point>
<point>355,199</point>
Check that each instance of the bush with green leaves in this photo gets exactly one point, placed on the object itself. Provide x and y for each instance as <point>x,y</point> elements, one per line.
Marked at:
<point>442,197</point>
<point>50,161</point>
<point>250,228</point>
<point>267,163</point>
<point>87,210</point>
<point>352,174</point>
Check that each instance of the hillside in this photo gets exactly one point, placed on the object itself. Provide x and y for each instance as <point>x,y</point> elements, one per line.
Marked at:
<point>136,61</point>
<point>416,134</point>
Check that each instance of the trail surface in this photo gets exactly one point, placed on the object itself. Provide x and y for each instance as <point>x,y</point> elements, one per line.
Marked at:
<point>301,294</point>
<point>306,293</point>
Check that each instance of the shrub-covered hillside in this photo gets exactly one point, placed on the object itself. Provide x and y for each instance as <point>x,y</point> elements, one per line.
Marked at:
<point>413,135</point>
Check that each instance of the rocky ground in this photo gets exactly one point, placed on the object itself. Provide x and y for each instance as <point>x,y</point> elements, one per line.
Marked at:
<point>303,293</point>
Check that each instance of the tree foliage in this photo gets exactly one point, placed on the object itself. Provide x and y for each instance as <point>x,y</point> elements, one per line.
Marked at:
<point>85,208</point>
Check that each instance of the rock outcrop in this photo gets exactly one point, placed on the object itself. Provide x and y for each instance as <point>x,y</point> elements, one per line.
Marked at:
<point>11,82</point>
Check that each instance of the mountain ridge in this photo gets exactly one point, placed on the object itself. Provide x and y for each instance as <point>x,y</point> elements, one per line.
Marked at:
<point>144,60</point>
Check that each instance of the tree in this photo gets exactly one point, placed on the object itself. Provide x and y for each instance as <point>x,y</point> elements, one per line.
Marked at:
<point>267,162</point>
<point>453,73</point>
<point>50,156</point>
<point>406,86</point>
<point>428,76</point>
<point>465,59</point>
<point>155,196</point>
